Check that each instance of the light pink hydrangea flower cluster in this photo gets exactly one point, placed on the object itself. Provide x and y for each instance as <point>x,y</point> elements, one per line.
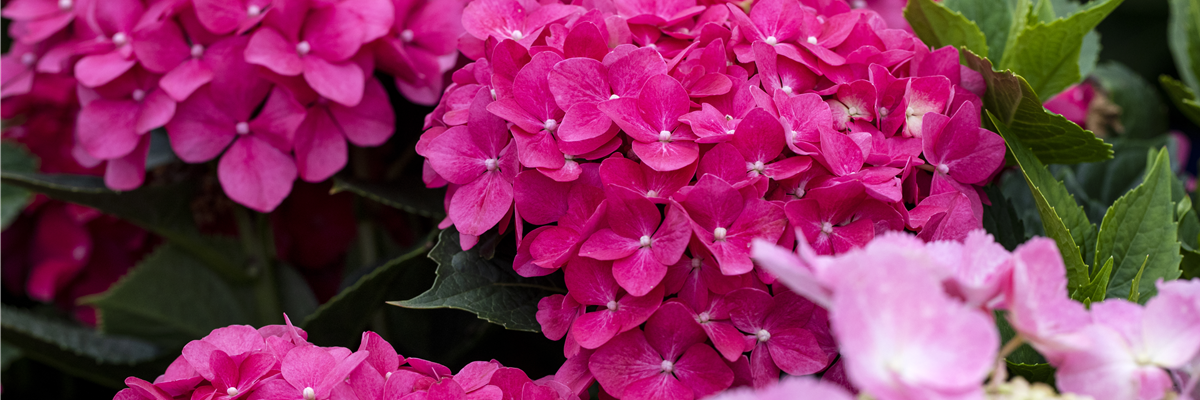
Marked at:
<point>650,141</point>
<point>275,88</point>
<point>914,320</point>
<point>276,362</point>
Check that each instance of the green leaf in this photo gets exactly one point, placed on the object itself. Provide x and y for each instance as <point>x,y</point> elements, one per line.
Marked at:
<point>1052,138</point>
<point>295,295</point>
<point>80,351</point>
<point>1141,224</point>
<point>1143,114</point>
<point>340,320</point>
<point>1062,218</point>
<point>1047,54</point>
<point>1185,99</point>
<point>8,354</point>
<point>169,299</point>
<point>997,19</point>
<point>1183,33</point>
<point>1134,295</point>
<point>1033,373</point>
<point>1089,53</point>
<point>939,26</point>
<point>408,195</point>
<point>1102,183</point>
<point>14,158</point>
<point>488,288</point>
<point>1096,289</point>
<point>1000,219</point>
<point>163,210</point>
<point>1190,264</point>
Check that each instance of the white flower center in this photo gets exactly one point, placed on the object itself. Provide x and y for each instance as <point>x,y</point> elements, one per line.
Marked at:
<point>310,394</point>
<point>644,241</point>
<point>719,234</point>
<point>517,35</point>
<point>883,112</point>
<point>491,164</point>
<point>910,112</point>
<point>612,305</point>
<point>79,252</point>
<point>771,40</point>
<point>730,131</point>
<point>550,125</point>
<point>493,93</point>
<point>406,35</point>
<point>139,94</point>
<point>668,366</point>
<point>728,117</point>
<point>613,97</point>
<point>232,391</point>
<point>28,58</point>
<point>943,168</point>
<point>65,4</point>
<point>242,128</point>
<point>756,166</point>
<point>303,48</point>
<point>568,157</point>
<point>786,89</point>
<point>696,262</point>
<point>253,10</point>
<point>812,40</point>
<point>120,39</point>
<point>664,136</point>
<point>826,228</point>
<point>799,193</point>
<point>763,335</point>
<point>704,317</point>
<point>652,193</point>
<point>197,50</point>
<point>387,375</point>
<point>853,111</point>
<point>858,4</point>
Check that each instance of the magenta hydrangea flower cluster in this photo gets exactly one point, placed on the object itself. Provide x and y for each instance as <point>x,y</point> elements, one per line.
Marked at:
<point>274,88</point>
<point>276,362</point>
<point>914,320</point>
<point>648,143</point>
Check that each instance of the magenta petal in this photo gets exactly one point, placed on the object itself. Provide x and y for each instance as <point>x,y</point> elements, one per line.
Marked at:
<point>608,245</point>
<point>667,156</point>
<point>320,148</point>
<point>582,122</point>
<point>200,130</point>
<point>728,340</point>
<point>661,386</point>
<point>270,49</point>
<point>639,273</point>
<point>156,110</point>
<point>372,121</point>
<point>702,370</point>
<point>306,366</point>
<point>160,46</point>
<point>671,238</point>
<point>594,329</point>
<point>480,205</point>
<point>759,137</point>
<point>539,199</point>
<point>256,174</point>
<point>627,74</point>
<point>672,330</point>
<point>662,101</point>
<point>626,359</point>
<point>797,352</point>
<point>182,81</point>
<point>96,70</point>
<point>341,82</point>
<point>577,81</point>
<point>841,154</point>
<point>107,128</point>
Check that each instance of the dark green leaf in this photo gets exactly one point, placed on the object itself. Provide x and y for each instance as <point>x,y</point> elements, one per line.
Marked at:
<point>341,320</point>
<point>488,288</point>
<point>939,26</point>
<point>1033,373</point>
<point>1143,114</point>
<point>14,158</point>
<point>1139,224</point>
<point>1134,295</point>
<point>8,354</point>
<point>1047,54</point>
<point>169,299</point>
<point>1052,138</point>
<point>1183,32</point>
<point>296,297</point>
<point>80,351</point>
<point>1062,218</point>
<point>1184,98</point>
<point>411,196</point>
<point>1000,219</point>
<point>995,18</point>
<point>1190,264</point>
<point>163,210</point>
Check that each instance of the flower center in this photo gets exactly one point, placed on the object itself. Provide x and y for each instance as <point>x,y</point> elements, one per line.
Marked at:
<point>719,234</point>
<point>696,261</point>
<point>517,35</point>
<point>28,58</point>
<point>79,252</point>
<point>491,164</point>
<point>763,335</point>
<point>883,112</point>
<point>253,10</point>
<point>120,39</point>
<point>242,128</point>
<point>406,35</point>
<point>826,228</point>
<point>771,40</point>
<point>612,305</point>
<point>853,111</point>
<point>613,97</point>
<point>568,157</point>
<point>652,193</point>
<point>551,125</point>
<point>644,241</point>
<point>139,94</point>
<point>812,40</point>
<point>730,131</point>
<point>786,89</point>
<point>728,117</point>
<point>943,168</point>
<point>668,366</point>
<point>65,4</point>
<point>664,136</point>
<point>303,48</point>
<point>310,394</point>
<point>493,93</point>
<point>910,112</point>
<point>704,317</point>
<point>232,391</point>
<point>756,167</point>
<point>197,50</point>
<point>387,375</point>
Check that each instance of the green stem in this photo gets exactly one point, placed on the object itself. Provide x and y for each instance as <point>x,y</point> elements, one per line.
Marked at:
<point>256,242</point>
